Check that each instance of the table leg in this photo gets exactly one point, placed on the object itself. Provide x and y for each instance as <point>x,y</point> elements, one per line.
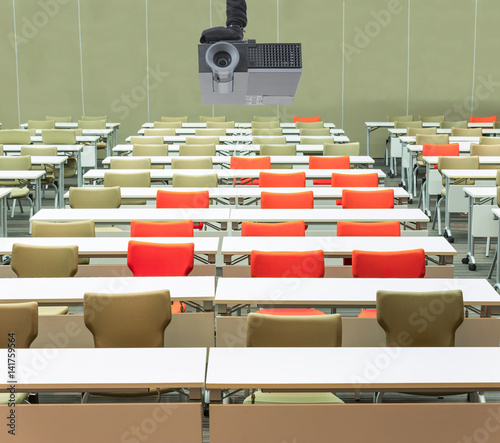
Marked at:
<point>368,130</point>
<point>38,194</point>
<point>79,168</point>
<point>447,230</point>
<point>469,258</point>
<point>60,186</point>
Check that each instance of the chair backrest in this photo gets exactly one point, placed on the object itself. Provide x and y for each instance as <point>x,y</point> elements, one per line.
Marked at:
<point>407,125</point>
<point>84,228</point>
<point>182,119</point>
<point>211,132</point>
<point>67,118</point>
<point>195,181</point>
<point>310,125</point>
<point>342,162</point>
<point>95,197</point>
<point>296,228</point>
<point>287,200</point>
<point>388,264</point>
<point>437,139</point>
<point>297,118</point>
<point>15,163</point>
<point>129,163</point>
<point>498,181</point>
<point>182,228</point>
<point>202,140</point>
<point>131,320</point>
<point>37,150</point>
<point>380,199</point>
<point>143,140</point>
<point>455,124</point>
<point>147,259</point>
<point>59,136</point>
<point>265,118</point>
<point>160,150</point>
<point>462,162</point>
<point>277,149</point>
<point>250,162</point>
<point>294,330</point>
<point>341,148</point>
<point>262,140</point>
<point>461,132</point>
<point>176,199</point>
<point>375,229</point>
<point>490,119</point>
<point>139,179</point>
<point>20,319</point>
<point>15,137</point>
<point>400,315</point>
<point>94,117</point>
<point>400,118</point>
<point>267,132</point>
<point>209,118</point>
<point>197,150</point>
<point>44,261</point>
<point>488,140</point>
<point>219,125</point>
<point>167,125</point>
<point>192,163</point>
<point>315,132</point>
<point>431,118</point>
<point>316,140</point>
<point>286,180</point>
<point>92,124</point>
<point>265,125</point>
<point>41,124</point>
<point>302,264</point>
<point>1,149</point>
<point>354,180</point>
<point>159,131</point>
<point>421,131</point>
<point>440,149</point>
<point>484,150</point>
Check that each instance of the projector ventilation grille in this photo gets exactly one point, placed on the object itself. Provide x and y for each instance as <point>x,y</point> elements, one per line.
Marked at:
<point>275,55</point>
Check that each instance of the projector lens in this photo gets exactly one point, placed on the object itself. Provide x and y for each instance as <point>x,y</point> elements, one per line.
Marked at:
<point>222,59</point>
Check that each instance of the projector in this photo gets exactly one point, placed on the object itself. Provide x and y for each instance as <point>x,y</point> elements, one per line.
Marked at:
<point>249,73</point>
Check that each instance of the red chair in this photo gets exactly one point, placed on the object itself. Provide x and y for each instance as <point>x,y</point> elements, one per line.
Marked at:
<point>183,228</point>
<point>287,200</point>
<point>316,118</point>
<point>490,119</point>
<point>304,264</point>
<point>175,199</point>
<point>249,163</point>
<point>342,162</point>
<point>340,180</point>
<point>275,180</point>
<point>146,259</point>
<point>392,264</point>
<point>450,150</point>
<point>295,228</point>
<point>380,199</point>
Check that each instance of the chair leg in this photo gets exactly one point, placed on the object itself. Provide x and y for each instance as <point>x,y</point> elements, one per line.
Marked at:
<point>85,397</point>
<point>488,244</point>
<point>377,397</point>
<point>14,207</point>
<point>493,263</point>
<point>437,215</point>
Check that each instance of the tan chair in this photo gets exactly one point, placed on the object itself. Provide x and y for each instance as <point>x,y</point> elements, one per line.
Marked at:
<point>92,124</point>
<point>1,149</point>
<point>400,125</point>
<point>400,118</point>
<point>197,150</point>
<point>433,139</point>
<point>85,198</point>
<point>273,132</point>
<point>151,140</point>
<point>341,148</point>
<point>20,189</point>
<point>293,331</point>
<point>162,131</point>
<point>58,136</point>
<point>485,151</point>
<point>167,125</point>
<point>129,163</point>
<point>219,125</point>
<point>309,125</point>
<point>192,163</point>
<point>431,118</point>
<point>206,119</point>
<point>263,118</point>
<point>456,124</point>
<point>315,132</point>
<point>183,119</point>
<point>215,132</point>
<point>20,319</point>
<point>66,119</point>
<point>195,181</point>
<point>265,125</point>
<point>268,150</point>
<point>489,140</point>
<point>422,131</point>
<point>202,140</point>
<point>160,150</point>
<point>316,140</point>
<point>139,179</point>
<point>94,117</point>
<point>461,132</point>
<point>15,137</point>
<point>41,124</point>
<point>269,140</point>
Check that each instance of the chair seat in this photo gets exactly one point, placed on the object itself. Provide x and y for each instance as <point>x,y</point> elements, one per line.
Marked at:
<point>178,307</point>
<point>5,398</point>
<point>19,192</point>
<point>368,313</point>
<point>292,398</point>
<point>322,182</point>
<point>291,311</point>
<point>52,310</point>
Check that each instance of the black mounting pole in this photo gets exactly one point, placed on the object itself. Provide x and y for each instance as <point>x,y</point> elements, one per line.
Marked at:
<point>236,20</point>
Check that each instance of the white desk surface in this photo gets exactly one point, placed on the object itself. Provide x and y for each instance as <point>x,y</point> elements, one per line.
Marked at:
<point>483,160</point>
<point>372,369</point>
<point>74,125</point>
<point>412,139</point>
<point>328,215</point>
<point>391,124</point>
<point>463,147</point>
<point>108,246</point>
<point>60,148</point>
<point>125,215</point>
<point>247,138</point>
<point>5,192</point>
<point>48,159</point>
<point>481,191</point>
<point>335,246</point>
<point>22,175</point>
<point>239,131</point>
<point>342,291</point>
<point>237,125</point>
<point>470,173</point>
<point>496,212</point>
<point>106,369</point>
<point>71,290</point>
<point>79,138</point>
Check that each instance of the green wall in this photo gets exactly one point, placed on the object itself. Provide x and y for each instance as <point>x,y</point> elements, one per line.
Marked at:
<point>92,57</point>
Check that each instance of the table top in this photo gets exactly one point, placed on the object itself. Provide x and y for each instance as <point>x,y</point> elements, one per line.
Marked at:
<point>22,175</point>
<point>70,290</point>
<point>470,173</point>
<point>391,124</point>
<point>248,138</point>
<point>483,159</point>
<point>74,125</point>
<point>239,131</point>
<point>343,291</point>
<point>48,159</point>
<point>106,369</point>
<point>463,147</point>
<point>371,369</point>
<point>237,125</point>
<point>5,192</point>
<point>60,148</point>
<point>481,191</point>
<point>412,139</point>
<point>496,212</point>
<point>79,138</point>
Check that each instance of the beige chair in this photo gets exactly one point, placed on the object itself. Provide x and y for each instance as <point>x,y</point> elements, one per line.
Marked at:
<point>316,140</point>
<point>214,132</point>
<point>431,118</point>
<point>151,140</point>
<point>129,163</point>
<point>309,125</point>
<point>456,124</point>
<point>20,189</point>
<point>58,136</point>
<point>139,179</point>
<point>41,124</point>
<point>92,124</point>
<point>265,125</point>
<point>400,125</point>
<point>263,118</point>
<point>400,118</point>
<point>293,331</point>
<point>94,117</point>
<point>278,149</point>
<point>206,119</point>
<point>20,319</point>
<point>183,119</point>
<point>162,131</point>
<point>195,181</point>
<point>424,131</point>
<point>15,137</point>
<point>218,125</point>
<point>272,132</point>
<point>202,140</point>
<point>315,132</point>
<point>461,132</point>
<point>485,151</point>
<point>85,198</point>
<point>160,150</point>
<point>192,163</point>
<point>269,140</point>
<point>167,125</point>
<point>341,148</point>
<point>433,139</point>
<point>197,150</point>
<point>1,149</point>
<point>66,119</point>
<point>489,140</point>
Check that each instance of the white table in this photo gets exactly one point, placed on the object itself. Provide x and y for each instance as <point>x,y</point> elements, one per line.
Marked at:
<point>241,131</point>
<point>496,215</point>
<point>30,176</point>
<point>4,194</point>
<point>246,139</point>
<point>246,125</point>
